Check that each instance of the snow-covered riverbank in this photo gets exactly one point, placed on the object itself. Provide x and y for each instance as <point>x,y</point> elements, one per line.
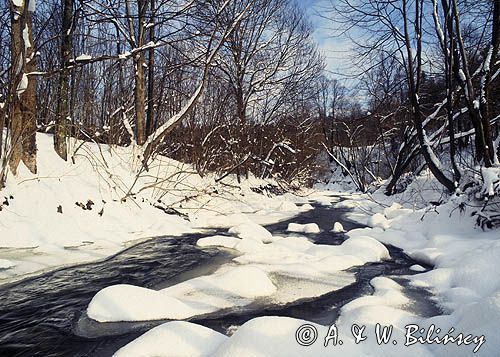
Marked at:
<point>465,259</point>
<point>87,210</point>
<point>71,213</point>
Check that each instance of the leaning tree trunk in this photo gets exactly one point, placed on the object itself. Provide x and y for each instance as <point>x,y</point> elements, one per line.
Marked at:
<point>414,76</point>
<point>486,74</point>
<point>482,128</point>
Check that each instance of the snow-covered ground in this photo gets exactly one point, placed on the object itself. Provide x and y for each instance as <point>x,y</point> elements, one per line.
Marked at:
<point>465,259</point>
<point>464,281</point>
<point>87,210</point>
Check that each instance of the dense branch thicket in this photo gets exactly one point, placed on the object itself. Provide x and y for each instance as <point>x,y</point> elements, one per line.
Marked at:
<point>217,83</point>
<point>239,87</point>
<point>428,69</point>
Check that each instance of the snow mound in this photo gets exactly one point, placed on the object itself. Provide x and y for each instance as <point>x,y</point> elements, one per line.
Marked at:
<point>275,336</point>
<point>338,227</point>
<point>189,340</point>
<point>306,207</point>
<point>253,231</point>
<point>249,245</point>
<point>381,307</point>
<point>303,228</point>
<point>417,267</point>
<point>297,257</point>
<point>218,241</point>
<point>367,248</point>
<point>224,289</point>
<point>379,220</point>
<point>287,206</point>
<point>392,211</point>
<point>6,264</point>
<point>132,303</point>
<point>242,281</point>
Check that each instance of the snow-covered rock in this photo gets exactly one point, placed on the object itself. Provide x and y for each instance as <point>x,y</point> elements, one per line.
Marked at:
<point>338,227</point>
<point>251,230</point>
<point>303,228</point>
<point>306,207</point>
<point>378,220</point>
<point>417,267</point>
<point>287,206</point>
<point>6,264</point>
<point>224,289</point>
<point>176,338</point>
<point>218,241</point>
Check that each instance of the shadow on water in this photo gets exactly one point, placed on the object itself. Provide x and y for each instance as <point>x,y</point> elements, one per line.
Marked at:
<point>38,315</point>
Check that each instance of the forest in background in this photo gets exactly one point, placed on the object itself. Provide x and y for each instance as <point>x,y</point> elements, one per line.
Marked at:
<point>235,87</point>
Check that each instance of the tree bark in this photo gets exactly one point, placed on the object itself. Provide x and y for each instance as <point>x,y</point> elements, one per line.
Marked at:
<point>60,133</point>
<point>23,93</point>
<point>484,142</point>
<point>18,66</point>
<point>140,99</point>
<point>486,75</point>
<point>140,90</point>
<point>413,87</point>
<point>29,103</point>
<point>151,73</point>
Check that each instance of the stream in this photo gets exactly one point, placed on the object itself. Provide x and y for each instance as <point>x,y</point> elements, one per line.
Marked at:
<point>44,315</point>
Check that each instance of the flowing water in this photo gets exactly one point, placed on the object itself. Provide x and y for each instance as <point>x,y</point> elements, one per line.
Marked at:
<point>45,315</point>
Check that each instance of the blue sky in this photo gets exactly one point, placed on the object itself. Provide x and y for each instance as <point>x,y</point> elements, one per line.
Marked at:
<point>335,49</point>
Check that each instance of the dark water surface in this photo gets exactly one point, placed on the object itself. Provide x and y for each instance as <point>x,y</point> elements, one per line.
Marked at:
<point>44,315</point>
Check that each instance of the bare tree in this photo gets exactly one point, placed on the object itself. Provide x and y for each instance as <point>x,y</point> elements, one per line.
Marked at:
<point>23,92</point>
<point>397,29</point>
<point>62,116</point>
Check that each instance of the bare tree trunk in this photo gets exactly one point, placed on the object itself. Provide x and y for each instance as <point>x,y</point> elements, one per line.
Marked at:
<point>490,61</point>
<point>484,142</point>
<point>23,104</point>
<point>151,72</point>
<point>139,63</point>
<point>413,86</point>
<point>2,126</point>
<point>18,66</point>
<point>448,45</point>
<point>29,103</point>
<point>60,133</point>
<point>140,99</point>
